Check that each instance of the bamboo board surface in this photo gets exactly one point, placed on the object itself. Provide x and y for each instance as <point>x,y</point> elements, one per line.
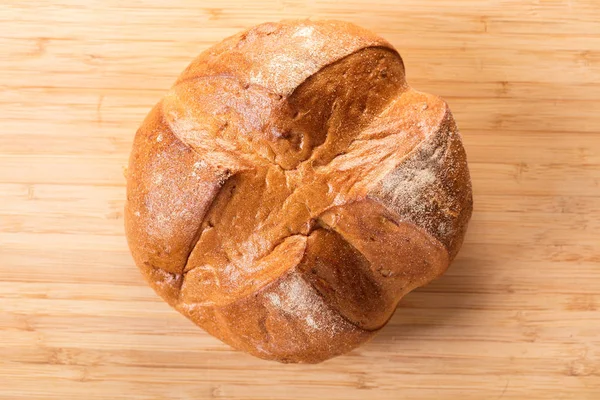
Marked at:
<point>517,316</point>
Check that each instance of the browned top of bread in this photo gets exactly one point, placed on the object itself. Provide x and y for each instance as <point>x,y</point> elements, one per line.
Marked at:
<point>291,188</point>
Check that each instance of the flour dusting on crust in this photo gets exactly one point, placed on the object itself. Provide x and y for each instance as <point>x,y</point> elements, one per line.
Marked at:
<point>425,187</point>
<point>297,298</point>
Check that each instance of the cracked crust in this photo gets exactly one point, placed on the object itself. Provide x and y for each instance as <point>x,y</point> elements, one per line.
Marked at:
<point>291,188</point>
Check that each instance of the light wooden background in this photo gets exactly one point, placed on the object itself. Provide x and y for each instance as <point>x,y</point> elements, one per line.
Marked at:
<point>516,317</point>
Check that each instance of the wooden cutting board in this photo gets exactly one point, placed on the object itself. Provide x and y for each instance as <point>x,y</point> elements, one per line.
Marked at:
<point>516,317</point>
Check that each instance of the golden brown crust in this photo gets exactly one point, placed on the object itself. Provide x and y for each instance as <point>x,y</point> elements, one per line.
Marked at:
<point>280,56</point>
<point>291,188</point>
<point>169,189</point>
<point>286,320</point>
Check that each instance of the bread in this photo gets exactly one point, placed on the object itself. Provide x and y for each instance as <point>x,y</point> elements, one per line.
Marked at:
<point>291,188</point>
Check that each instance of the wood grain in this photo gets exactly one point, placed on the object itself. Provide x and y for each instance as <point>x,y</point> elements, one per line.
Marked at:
<point>516,317</point>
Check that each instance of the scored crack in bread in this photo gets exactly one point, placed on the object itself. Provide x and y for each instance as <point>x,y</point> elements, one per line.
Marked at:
<point>291,188</point>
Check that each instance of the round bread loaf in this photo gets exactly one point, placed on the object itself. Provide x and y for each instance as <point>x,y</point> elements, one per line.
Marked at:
<point>291,188</point>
